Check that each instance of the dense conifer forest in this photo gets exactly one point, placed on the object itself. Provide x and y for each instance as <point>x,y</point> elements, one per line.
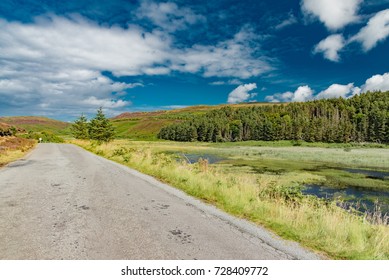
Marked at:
<point>362,118</point>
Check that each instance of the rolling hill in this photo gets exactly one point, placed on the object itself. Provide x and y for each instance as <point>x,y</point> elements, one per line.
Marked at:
<point>37,124</point>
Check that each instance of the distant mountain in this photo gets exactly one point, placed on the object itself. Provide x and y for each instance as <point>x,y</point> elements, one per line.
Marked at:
<point>37,124</point>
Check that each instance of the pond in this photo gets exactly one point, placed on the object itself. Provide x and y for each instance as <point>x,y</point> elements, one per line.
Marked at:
<point>369,173</point>
<point>360,199</point>
<point>193,158</point>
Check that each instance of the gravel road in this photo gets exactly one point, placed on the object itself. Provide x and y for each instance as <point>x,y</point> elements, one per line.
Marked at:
<point>62,202</point>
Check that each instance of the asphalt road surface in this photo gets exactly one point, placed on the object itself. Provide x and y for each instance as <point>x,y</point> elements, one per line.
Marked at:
<point>62,202</point>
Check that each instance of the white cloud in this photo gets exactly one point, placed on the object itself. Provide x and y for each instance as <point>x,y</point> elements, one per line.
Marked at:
<point>337,90</point>
<point>280,97</point>
<point>38,94</point>
<point>302,93</point>
<point>61,42</point>
<point>335,14</point>
<point>168,15</point>
<point>229,82</point>
<point>242,93</point>
<point>287,22</point>
<point>56,63</point>
<point>305,93</point>
<point>84,45</point>
<point>330,47</point>
<point>376,30</point>
<point>106,103</point>
<point>377,83</point>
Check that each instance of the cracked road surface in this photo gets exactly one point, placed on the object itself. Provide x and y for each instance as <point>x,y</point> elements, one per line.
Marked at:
<point>62,202</point>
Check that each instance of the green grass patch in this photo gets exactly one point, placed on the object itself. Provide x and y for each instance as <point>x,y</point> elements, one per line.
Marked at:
<point>145,129</point>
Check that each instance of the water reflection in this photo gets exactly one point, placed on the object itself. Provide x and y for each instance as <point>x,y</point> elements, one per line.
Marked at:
<point>193,158</point>
<point>369,173</point>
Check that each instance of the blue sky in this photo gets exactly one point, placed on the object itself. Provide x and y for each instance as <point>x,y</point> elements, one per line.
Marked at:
<point>63,58</point>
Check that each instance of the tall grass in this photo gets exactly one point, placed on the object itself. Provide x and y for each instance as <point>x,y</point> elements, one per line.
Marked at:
<point>268,199</point>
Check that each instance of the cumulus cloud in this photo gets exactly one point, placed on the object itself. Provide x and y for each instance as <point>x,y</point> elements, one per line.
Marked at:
<point>280,97</point>
<point>242,93</point>
<point>377,83</point>
<point>376,30</point>
<point>330,47</point>
<point>335,14</point>
<point>337,90</point>
<point>168,15</point>
<point>56,63</point>
<point>302,93</point>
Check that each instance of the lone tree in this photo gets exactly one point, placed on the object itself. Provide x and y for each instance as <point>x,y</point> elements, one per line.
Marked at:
<point>80,128</point>
<point>100,128</point>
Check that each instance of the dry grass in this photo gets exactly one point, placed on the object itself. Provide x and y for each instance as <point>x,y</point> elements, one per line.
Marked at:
<point>13,148</point>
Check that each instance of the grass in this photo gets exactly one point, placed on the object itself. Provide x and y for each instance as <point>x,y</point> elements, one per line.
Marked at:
<point>13,148</point>
<point>145,128</point>
<point>269,199</point>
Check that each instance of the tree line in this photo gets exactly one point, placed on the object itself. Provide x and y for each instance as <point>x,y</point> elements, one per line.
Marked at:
<point>99,128</point>
<point>362,118</point>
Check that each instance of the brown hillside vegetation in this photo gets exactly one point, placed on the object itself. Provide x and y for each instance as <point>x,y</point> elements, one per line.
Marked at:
<point>26,124</point>
<point>31,120</point>
<point>135,115</point>
<point>4,126</point>
<point>189,109</point>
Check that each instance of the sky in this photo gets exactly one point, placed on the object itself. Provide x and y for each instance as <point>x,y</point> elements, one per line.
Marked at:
<point>63,58</point>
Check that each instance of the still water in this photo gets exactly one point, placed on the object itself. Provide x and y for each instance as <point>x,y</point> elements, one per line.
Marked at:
<point>359,198</point>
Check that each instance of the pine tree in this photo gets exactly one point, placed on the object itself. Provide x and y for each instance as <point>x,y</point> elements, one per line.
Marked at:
<point>80,128</point>
<point>100,128</point>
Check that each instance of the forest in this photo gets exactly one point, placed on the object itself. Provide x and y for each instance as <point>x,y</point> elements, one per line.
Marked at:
<point>362,118</point>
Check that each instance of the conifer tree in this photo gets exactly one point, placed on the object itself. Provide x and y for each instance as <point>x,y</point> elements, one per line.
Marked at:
<point>80,128</point>
<point>100,128</point>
